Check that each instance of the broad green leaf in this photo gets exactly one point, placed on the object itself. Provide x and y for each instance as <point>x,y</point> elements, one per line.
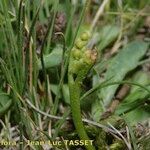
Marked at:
<point>53,59</point>
<point>5,102</point>
<point>96,110</point>
<point>142,78</point>
<point>132,101</point>
<point>137,94</point>
<point>54,89</point>
<point>65,92</point>
<point>66,95</point>
<point>125,61</point>
<point>140,114</point>
<point>107,35</point>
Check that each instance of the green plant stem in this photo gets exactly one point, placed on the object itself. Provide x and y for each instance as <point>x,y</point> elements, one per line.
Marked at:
<point>74,87</point>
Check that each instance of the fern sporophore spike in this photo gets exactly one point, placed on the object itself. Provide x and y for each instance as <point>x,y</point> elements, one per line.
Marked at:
<point>81,61</point>
<point>81,57</point>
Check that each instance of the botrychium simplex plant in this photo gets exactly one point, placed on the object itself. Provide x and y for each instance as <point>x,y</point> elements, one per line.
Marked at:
<point>81,60</point>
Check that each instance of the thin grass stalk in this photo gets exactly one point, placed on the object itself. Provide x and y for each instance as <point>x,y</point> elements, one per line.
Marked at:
<point>27,58</point>
<point>50,26</point>
<point>47,50</point>
<point>13,47</point>
<point>20,26</point>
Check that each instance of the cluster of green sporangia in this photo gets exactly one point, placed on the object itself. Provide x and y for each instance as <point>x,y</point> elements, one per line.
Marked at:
<point>81,57</point>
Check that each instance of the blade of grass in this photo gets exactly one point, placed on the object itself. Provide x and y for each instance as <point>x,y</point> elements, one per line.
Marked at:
<point>102,85</point>
<point>27,58</point>
<point>49,36</point>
